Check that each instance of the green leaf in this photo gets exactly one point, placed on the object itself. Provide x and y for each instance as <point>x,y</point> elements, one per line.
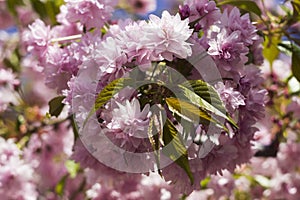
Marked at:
<point>189,111</point>
<point>204,183</point>
<point>110,90</point>
<point>59,188</point>
<point>207,92</point>
<point>202,103</point>
<point>175,149</point>
<point>271,50</point>
<point>72,167</point>
<point>56,106</point>
<point>107,93</point>
<point>296,63</point>
<point>249,6</point>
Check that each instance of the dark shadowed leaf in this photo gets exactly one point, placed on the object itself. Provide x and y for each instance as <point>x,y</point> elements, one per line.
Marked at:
<point>296,63</point>
<point>175,149</point>
<point>56,106</point>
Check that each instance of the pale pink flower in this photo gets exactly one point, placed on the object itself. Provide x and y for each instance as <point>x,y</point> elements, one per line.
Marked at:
<point>263,136</point>
<point>127,125</point>
<point>205,11</point>
<point>231,98</point>
<point>233,21</point>
<point>222,185</point>
<point>8,82</point>
<point>90,13</point>
<point>168,36</point>
<point>109,56</point>
<point>48,152</point>
<point>16,175</point>
<point>227,48</point>
<point>288,156</point>
<point>133,40</point>
<point>37,37</point>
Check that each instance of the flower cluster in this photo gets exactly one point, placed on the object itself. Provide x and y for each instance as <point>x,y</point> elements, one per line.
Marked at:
<point>16,175</point>
<point>269,178</point>
<point>85,55</point>
<point>159,106</point>
<point>8,82</point>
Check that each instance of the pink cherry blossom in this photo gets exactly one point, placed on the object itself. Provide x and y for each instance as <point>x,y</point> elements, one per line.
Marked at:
<point>169,40</point>
<point>232,99</point>
<point>91,13</point>
<point>16,175</point>
<point>128,124</point>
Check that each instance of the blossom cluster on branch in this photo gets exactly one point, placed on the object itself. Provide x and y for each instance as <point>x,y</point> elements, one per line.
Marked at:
<point>182,105</point>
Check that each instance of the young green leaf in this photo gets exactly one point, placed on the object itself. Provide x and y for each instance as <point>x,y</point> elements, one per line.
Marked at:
<point>207,92</point>
<point>56,106</point>
<point>107,93</point>
<point>271,50</point>
<point>189,111</point>
<point>72,167</point>
<point>202,103</point>
<point>59,188</point>
<point>249,6</point>
<point>110,90</point>
<point>175,149</point>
